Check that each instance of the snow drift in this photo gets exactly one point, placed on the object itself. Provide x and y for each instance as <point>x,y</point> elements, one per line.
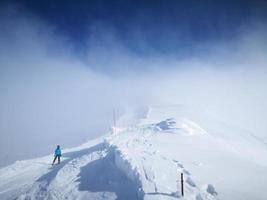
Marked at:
<point>143,159</point>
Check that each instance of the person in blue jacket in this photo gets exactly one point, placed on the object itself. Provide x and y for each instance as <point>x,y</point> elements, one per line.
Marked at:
<point>57,155</point>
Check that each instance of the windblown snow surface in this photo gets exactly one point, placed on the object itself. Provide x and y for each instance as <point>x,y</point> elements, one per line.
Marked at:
<point>143,157</point>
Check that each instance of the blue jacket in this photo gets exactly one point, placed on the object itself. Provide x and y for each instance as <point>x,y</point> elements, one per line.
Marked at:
<point>57,152</point>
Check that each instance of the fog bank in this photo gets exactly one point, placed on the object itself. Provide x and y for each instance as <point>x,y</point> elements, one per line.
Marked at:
<point>50,94</point>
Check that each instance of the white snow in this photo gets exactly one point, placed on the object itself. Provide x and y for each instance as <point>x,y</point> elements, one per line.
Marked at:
<point>144,159</point>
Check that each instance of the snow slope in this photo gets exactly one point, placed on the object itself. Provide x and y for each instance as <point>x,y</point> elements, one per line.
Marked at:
<point>143,159</point>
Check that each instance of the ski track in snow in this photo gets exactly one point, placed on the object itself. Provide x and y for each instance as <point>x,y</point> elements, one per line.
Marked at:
<point>151,166</point>
<point>142,161</point>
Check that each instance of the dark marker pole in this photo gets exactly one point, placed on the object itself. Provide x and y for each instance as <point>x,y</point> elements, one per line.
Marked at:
<point>182,184</point>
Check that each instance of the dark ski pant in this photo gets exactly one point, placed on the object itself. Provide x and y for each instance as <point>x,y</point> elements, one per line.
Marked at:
<point>58,159</point>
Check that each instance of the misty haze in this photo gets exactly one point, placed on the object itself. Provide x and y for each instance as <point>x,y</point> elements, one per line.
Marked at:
<point>135,93</point>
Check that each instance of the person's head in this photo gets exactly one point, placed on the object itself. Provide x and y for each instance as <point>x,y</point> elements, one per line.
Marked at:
<point>58,146</point>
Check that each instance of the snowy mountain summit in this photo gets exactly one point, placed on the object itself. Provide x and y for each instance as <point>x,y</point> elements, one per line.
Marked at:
<point>144,157</point>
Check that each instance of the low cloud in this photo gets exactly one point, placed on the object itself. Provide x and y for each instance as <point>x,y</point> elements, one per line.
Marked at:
<point>51,95</point>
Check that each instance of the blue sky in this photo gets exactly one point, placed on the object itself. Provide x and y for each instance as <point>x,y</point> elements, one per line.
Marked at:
<point>149,27</point>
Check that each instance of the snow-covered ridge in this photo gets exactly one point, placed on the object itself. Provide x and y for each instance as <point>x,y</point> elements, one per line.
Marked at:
<point>159,176</point>
<point>144,158</point>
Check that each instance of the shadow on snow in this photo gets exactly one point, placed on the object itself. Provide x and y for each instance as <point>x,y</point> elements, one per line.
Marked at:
<point>103,176</point>
<point>100,175</point>
<point>47,178</point>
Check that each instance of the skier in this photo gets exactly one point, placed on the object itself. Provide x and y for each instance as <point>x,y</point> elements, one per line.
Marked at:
<point>57,155</point>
